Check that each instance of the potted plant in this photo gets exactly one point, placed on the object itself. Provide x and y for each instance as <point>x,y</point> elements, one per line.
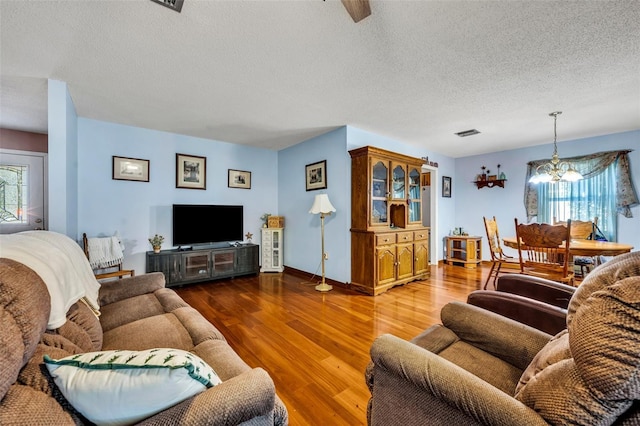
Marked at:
<point>265,219</point>
<point>156,242</point>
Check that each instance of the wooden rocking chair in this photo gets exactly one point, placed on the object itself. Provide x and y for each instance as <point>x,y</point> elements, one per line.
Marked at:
<point>498,258</point>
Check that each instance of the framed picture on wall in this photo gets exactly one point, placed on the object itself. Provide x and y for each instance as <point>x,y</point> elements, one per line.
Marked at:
<point>191,171</point>
<point>124,168</point>
<point>316,175</point>
<point>239,179</point>
<point>446,186</point>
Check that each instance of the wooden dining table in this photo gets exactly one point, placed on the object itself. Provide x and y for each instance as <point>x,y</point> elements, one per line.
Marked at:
<point>585,247</point>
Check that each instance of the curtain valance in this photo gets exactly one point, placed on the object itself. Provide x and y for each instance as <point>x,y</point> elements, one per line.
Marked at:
<point>589,166</point>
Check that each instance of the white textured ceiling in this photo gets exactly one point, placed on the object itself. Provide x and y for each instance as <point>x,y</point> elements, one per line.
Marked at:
<point>275,73</point>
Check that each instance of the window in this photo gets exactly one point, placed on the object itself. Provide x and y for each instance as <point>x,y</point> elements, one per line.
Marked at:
<point>606,192</point>
<point>582,200</point>
<point>13,193</point>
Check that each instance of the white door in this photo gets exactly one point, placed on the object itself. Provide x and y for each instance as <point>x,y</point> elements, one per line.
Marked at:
<point>22,191</point>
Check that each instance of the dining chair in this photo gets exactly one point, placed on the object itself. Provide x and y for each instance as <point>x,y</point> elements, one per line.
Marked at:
<point>543,250</point>
<point>582,230</point>
<point>498,258</point>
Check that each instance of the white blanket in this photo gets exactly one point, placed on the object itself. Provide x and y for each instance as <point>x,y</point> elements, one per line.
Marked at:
<point>61,264</point>
<point>104,252</point>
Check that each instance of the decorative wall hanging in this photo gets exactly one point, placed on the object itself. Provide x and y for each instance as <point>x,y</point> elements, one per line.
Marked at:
<point>191,171</point>
<point>316,175</point>
<point>239,179</point>
<point>446,186</point>
<point>135,169</point>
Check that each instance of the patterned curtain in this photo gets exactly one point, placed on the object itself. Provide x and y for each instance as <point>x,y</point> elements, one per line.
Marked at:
<point>590,166</point>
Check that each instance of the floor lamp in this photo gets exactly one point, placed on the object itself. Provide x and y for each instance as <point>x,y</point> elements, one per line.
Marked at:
<point>322,206</point>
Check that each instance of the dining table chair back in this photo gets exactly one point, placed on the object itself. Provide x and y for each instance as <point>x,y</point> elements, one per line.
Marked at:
<point>498,257</point>
<point>543,250</point>
<point>582,230</point>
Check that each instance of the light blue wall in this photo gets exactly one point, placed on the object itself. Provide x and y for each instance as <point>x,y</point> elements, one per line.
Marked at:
<point>302,230</point>
<point>63,160</point>
<point>139,210</point>
<point>508,203</point>
<point>83,197</point>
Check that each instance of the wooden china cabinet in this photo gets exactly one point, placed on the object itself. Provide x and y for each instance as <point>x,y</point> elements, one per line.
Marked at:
<point>389,245</point>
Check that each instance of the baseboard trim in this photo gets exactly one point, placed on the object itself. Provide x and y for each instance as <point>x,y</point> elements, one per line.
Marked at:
<point>308,276</point>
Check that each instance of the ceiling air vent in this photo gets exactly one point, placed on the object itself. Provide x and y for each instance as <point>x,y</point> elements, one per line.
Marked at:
<point>466,133</point>
<point>171,4</point>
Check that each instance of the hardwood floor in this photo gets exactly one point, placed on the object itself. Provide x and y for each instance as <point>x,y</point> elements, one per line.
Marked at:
<point>316,345</point>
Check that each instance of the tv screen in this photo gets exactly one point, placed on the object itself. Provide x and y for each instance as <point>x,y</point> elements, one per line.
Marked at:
<point>203,223</point>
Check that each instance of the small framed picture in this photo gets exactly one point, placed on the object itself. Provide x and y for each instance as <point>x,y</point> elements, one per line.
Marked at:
<point>239,179</point>
<point>191,171</point>
<point>446,186</point>
<point>316,175</point>
<point>124,168</point>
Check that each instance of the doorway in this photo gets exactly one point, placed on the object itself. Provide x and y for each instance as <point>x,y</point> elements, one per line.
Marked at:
<point>430,209</point>
<point>22,191</point>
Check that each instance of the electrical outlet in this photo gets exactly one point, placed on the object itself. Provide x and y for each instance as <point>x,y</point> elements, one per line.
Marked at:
<point>326,256</point>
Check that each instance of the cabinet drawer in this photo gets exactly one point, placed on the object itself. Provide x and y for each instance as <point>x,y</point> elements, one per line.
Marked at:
<point>405,237</point>
<point>420,235</point>
<point>384,239</point>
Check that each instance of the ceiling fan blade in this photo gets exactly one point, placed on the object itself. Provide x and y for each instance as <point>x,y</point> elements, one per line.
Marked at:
<point>358,9</point>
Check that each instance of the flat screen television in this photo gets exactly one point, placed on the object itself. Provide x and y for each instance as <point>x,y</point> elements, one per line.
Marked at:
<point>206,223</point>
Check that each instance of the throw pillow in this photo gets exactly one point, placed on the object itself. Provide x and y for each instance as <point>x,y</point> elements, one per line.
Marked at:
<point>121,387</point>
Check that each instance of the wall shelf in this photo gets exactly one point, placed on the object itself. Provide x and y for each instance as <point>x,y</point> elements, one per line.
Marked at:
<point>490,183</point>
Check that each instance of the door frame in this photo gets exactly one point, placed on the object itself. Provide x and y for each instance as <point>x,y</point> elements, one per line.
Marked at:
<point>45,178</point>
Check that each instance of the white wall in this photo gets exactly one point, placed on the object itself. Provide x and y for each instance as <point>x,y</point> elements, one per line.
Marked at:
<point>63,160</point>
<point>139,210</point>
<point>508,203</point>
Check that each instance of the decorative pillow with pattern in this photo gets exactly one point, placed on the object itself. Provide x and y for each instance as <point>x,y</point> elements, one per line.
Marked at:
<point>121,387</point>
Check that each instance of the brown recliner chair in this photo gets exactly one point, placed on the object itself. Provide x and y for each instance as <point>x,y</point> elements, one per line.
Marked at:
<point>479,367</point>
<point>534,301</point>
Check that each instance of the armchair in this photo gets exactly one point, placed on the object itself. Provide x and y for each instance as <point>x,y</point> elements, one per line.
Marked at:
<point>479,367</point>
<point>537,302</point>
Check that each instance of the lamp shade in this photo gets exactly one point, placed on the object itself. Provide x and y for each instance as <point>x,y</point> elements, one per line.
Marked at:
<point>322,205</point>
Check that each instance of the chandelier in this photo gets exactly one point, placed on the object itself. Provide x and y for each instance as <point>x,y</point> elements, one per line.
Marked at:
<point>555,170</point>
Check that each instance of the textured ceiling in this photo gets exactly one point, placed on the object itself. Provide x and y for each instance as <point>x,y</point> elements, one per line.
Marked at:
<point>275,73</point>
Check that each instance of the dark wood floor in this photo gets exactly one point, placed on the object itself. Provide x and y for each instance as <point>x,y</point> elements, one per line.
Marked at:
<point>316,345</point>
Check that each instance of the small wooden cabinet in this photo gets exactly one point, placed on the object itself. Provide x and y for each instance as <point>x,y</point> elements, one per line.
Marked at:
<point>389,245</point>
<point>203,264</point>
<point>272,250</point>
<point>464,250</point>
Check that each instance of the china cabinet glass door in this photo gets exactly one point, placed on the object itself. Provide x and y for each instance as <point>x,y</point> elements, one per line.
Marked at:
<point>379,192</point>
<point>398,183</point>
<point>415,207</point>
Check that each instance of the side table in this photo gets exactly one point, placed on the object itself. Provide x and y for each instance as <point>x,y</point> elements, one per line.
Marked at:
<point>464,250</point>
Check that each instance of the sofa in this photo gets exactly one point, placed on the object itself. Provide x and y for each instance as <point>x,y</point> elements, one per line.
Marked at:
<point>136,314</point>
<point>481,368</point>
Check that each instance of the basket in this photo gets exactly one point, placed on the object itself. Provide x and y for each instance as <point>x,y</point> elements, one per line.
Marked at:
<point>276,222</point>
